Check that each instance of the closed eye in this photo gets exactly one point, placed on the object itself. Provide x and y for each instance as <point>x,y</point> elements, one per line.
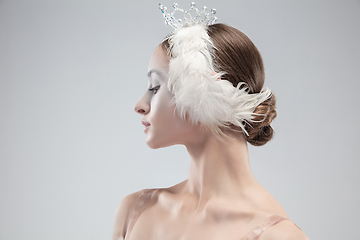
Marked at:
<point>154,89</point>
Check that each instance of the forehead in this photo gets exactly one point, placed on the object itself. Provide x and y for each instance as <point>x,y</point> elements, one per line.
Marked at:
<point>159,60</point>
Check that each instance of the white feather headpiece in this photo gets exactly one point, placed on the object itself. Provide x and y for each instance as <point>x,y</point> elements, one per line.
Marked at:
<point>200,95</point>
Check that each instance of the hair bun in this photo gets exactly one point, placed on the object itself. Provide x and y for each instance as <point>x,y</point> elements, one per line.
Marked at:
<point>260,131</point>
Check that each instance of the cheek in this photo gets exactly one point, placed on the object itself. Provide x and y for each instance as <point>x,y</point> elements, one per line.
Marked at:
<point>166,121</point>
<point>162,110</point>
<point>168,116</point>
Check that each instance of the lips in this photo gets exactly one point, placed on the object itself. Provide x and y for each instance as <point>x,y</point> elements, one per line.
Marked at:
<point>146,125</point>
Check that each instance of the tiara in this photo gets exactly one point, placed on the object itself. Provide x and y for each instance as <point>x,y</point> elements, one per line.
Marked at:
<point>191,16</point>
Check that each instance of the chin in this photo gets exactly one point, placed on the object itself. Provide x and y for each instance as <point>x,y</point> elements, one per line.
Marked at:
<point>153,146</point>
<point>154,143</point>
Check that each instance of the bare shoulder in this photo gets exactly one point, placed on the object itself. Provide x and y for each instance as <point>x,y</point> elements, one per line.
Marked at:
<point>284,230</point>
<point>122,213</point>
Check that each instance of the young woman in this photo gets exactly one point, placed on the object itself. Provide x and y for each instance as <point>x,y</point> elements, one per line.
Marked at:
<point>205,92</point>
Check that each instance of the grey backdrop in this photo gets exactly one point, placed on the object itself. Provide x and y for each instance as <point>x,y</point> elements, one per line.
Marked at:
<point>71,146</point>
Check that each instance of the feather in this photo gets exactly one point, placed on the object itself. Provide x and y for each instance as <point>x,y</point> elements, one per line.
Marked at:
<point>200,95</point>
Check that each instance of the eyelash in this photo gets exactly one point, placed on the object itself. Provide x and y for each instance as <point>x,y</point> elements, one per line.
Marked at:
<point>154,89</point>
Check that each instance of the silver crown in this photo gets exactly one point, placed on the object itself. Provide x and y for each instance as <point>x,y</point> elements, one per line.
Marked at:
<point>191,16</point>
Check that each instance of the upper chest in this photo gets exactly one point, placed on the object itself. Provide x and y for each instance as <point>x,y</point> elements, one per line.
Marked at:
<point>159,223</point>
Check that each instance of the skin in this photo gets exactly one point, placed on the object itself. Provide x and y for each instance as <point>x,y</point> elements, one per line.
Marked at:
<point>221,199</point>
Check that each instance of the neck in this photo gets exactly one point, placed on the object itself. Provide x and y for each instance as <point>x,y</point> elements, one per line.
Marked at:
<point>219,168</point>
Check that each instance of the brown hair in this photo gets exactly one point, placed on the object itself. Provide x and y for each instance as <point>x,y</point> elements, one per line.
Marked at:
<point>238,57</point>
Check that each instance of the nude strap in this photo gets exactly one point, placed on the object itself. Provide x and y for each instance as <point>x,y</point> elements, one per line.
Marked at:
<point>136,210</point>
<point>272,220</point>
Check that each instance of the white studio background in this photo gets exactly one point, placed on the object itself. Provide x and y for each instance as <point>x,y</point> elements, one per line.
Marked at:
<point>71,147</point>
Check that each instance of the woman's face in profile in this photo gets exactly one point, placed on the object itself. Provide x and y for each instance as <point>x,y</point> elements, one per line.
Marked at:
<point>163,127</point>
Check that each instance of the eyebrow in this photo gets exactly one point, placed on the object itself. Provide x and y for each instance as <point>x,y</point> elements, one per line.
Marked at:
<point>155,71</point>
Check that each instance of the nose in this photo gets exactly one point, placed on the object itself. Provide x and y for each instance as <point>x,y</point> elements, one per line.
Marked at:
<point>142,107</point>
